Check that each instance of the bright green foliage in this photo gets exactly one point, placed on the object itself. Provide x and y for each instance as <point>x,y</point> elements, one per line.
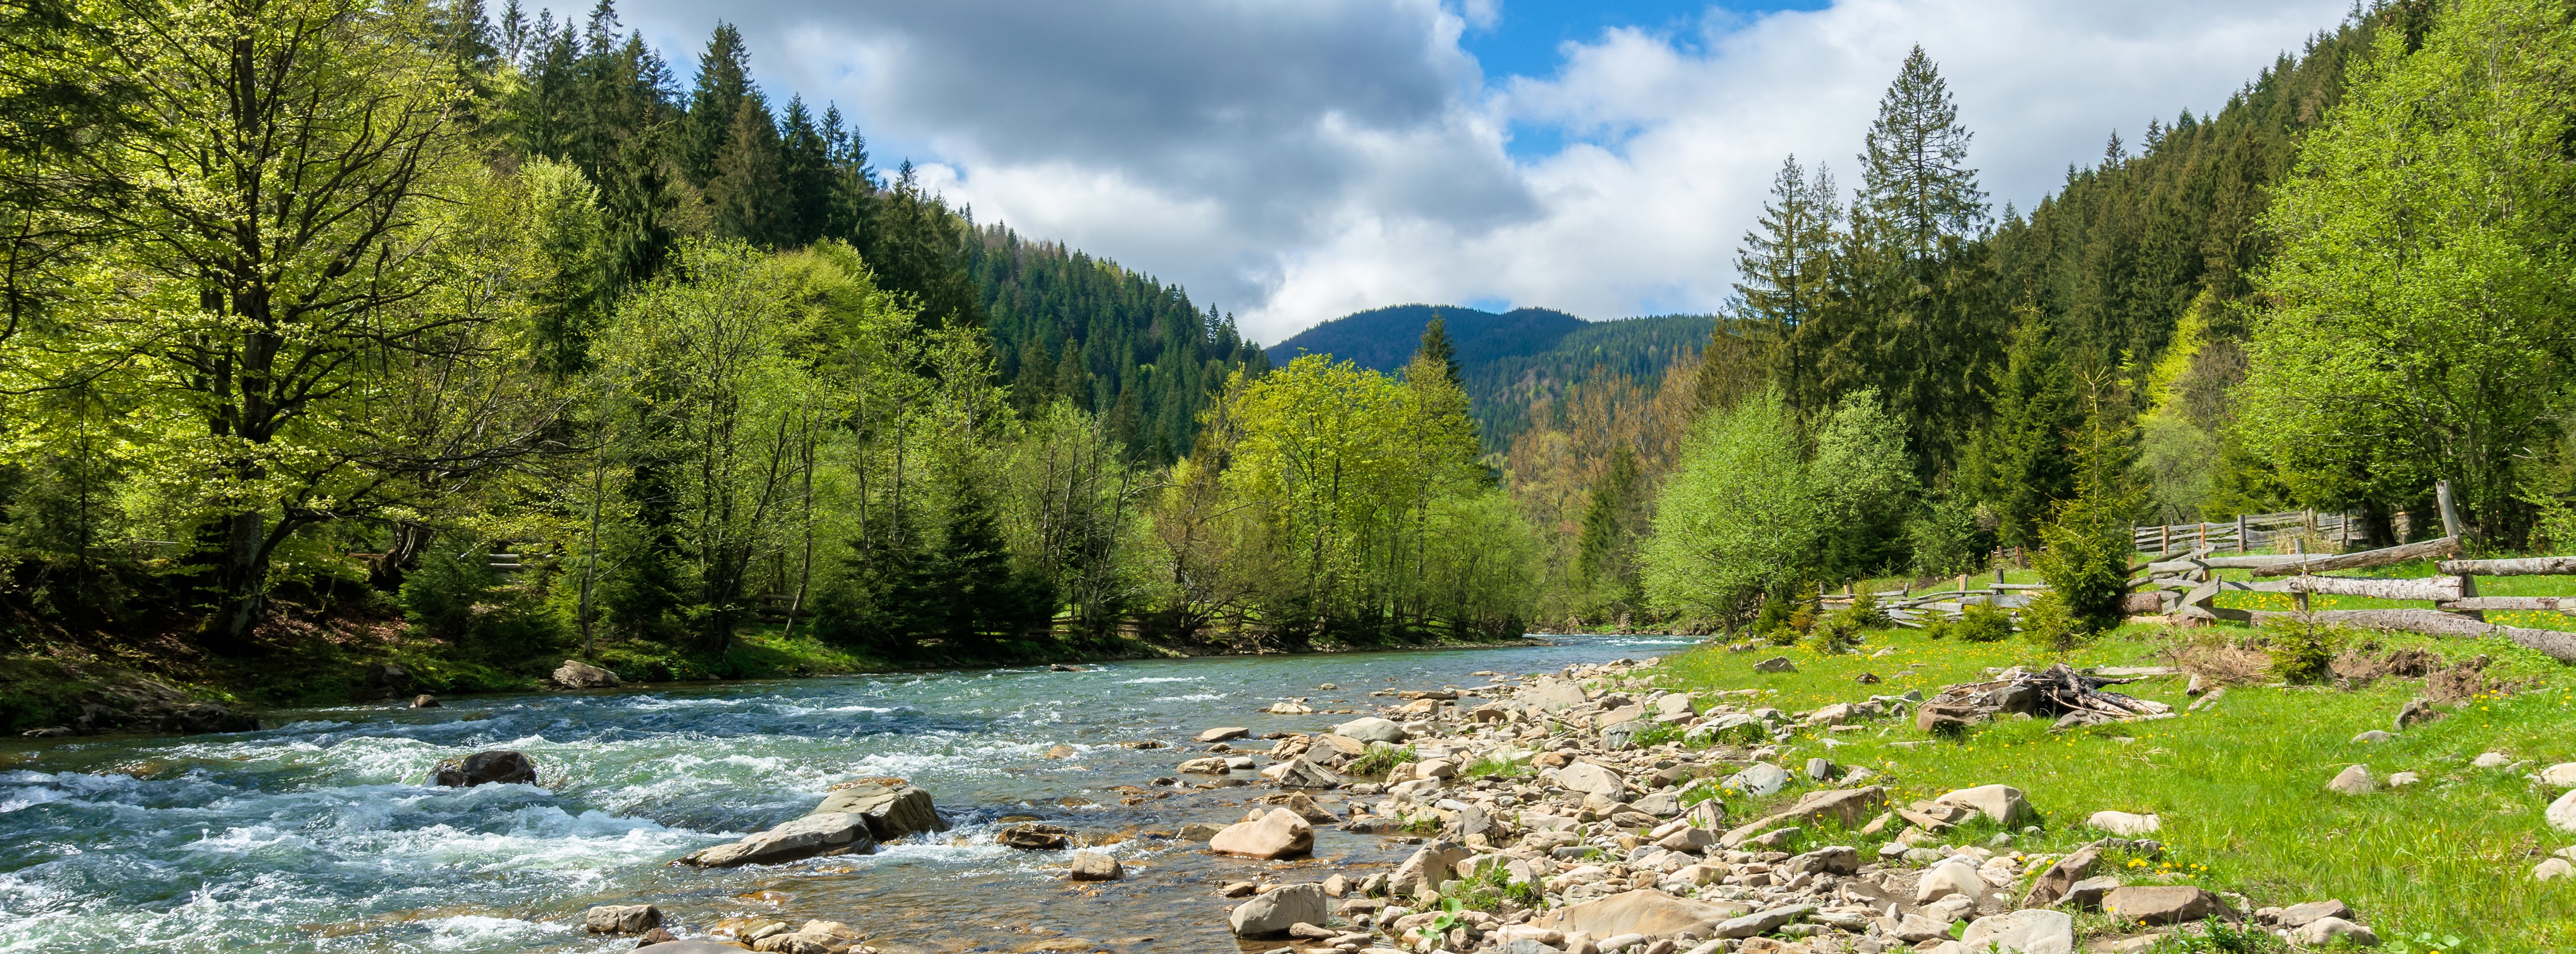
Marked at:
<point>1735,520</point>
<point>1606,554</point>
<point>2086,558</point>
<point>1864,488</point>
<point>2302,650</point>
<point>1978,623</point>
<point>2422,319</point>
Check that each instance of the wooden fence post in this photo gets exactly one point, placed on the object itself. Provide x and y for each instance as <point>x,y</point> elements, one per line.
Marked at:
<point>2242,542</point>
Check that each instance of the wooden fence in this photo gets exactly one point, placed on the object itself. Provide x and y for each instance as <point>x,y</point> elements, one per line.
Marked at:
<point>2247,533</point>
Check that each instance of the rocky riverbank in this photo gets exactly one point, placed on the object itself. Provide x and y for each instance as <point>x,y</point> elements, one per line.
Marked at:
<point>1574,813</point>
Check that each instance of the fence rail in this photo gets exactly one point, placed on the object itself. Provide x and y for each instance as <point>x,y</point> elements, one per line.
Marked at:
<point>2249,532</point>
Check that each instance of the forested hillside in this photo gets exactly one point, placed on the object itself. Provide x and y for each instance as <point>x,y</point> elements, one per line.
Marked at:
<point>1516,365</point>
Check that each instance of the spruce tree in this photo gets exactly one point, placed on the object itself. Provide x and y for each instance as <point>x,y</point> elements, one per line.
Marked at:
<point>745,194</point>
<point>1782,270</point>
<point>724,82</point>
<point>2017,466</point>
<point>1437,347</point>
<point>1916,187</point>
<point>806,177</point>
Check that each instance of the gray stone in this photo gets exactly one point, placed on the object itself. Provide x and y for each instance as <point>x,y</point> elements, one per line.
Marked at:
<point>1775,664</point>
<point>622,918</point>
<point>1371,729</point>
<point>893,808</point>
<point>1832,859</point>
<point>1759,779</point>
<point>2562,813</point>
<point>1590,779</point>
<point>1820,770</point>
<point>2552,869</point>
<point>831,833</point>
<point>1094,866</point>
<point>2324,931</point>
<point>1223,733</point>
<point>2491,760</point>
<point>1955,876</point>
<point>1300,773</point>
<point>2035,931</point>
<point>501,767</point>
<point>2561,775</point>
<point>1034,836</point>
<point>2003,803</point>
<point>2371,736</point>
<point>2353,780</point>
<point>1764,922</point>
<point>2163,904</point>
<point>2298,914</point>
<point>2050,887</point>
<point>2086,895</point>
<point>2124,823</point>
<point>1273,912</point>
<point>1280,834</point>
<point>575,674</point>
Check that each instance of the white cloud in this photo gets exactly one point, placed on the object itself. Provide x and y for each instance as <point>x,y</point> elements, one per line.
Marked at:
<point>1298,159</point>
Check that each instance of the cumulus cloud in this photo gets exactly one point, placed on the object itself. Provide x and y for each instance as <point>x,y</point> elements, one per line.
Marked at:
<point>1293,160</point>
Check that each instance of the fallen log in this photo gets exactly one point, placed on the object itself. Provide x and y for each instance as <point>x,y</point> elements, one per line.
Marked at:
<point>2366,559</point>
<point>2049,693</point>
<point>2426,588</point>
<point>2557,645</point>
<point>2526,566</point>
<point>2545,604</point>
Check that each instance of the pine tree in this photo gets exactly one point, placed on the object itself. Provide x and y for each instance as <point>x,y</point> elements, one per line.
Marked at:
<point>724,82</point>
<point>2018,467</point>
<point>1437,348</point>
<point>1916,187</point>
<point>806,177</point>
<point>745,194</point>
<point>1783,270</point>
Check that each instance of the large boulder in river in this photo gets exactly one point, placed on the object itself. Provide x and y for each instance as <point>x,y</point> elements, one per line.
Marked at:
<point>502,767</point>
<point>893,807</point>
<point>1273,912</point>
<point>837,833</point>
<point>1371,729</point>
<point>1275,836</point>
<point>575,674</point>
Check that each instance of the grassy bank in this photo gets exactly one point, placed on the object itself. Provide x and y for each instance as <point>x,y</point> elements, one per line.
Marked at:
<point>2241,787</point>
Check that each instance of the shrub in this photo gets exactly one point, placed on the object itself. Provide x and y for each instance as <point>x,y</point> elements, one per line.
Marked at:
<point>1382,758</point>
<point>2049,622</point>
<point>1838,633</point>
<point>1980,623</point>
<point>2301,650</point>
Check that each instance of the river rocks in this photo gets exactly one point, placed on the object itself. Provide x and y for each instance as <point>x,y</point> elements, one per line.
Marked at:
<point>1371,729</point>
<point>1198,831</point>
<point>1762,922</point>
<point>1299,773</point>
<point>1223,733</point>
<point>892,807</point>
<point>1645,912</point>
<point>1775,664</point>
<point>1034,836</point>
<point>1759,779</point>
<point>2123,823</point>
<point>1831,859</point>
<point>1590,779</point>
<point>1094,866</point>
<point>2299,914</point>
<point>2051,885</point>
<point>2163,904</point>
<point>2325,931</point>
<point>832,833</point>
<point>424,701</point>
<point>1303,805</point>
<point>2562,813</point>
<point>575,674</point>
<point>1434,865</point>
<point>1955,876</point>
<point>1849,806</point>
<point>622,918</point>
<point>2087,895</point>
<point>655,936</point>
<point>2353,780</point>
<point>1273,912</point>
<point>501,767</point>
<point>2022,932</point>
<point>2003,803</point>
<point>1276,836</point>
<point>1940,718</point>
<point>1211,765</point>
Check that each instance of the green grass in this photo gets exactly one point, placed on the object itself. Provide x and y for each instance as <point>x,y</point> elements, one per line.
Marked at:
<point>2240,788</point>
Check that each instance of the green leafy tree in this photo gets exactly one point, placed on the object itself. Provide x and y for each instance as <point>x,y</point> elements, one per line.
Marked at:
<point>1735,519</point>
<point>2422,320</point>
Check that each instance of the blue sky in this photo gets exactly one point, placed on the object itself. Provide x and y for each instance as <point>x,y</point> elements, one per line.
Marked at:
<point>1295,160</point>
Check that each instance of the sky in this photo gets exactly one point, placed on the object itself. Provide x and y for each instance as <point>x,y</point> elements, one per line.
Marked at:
<point>1291,161</point>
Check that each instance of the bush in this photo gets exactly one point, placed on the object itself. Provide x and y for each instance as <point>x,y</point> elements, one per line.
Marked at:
<point>1980,623</point>
<point>2301,650</point>
<point>1383,758</point>
<point>2049,622</point>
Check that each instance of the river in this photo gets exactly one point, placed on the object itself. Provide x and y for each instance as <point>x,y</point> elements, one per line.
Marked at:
<point>323,834</point>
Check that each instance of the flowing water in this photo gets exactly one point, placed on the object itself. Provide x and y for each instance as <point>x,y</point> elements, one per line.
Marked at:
<point>323,835</point>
